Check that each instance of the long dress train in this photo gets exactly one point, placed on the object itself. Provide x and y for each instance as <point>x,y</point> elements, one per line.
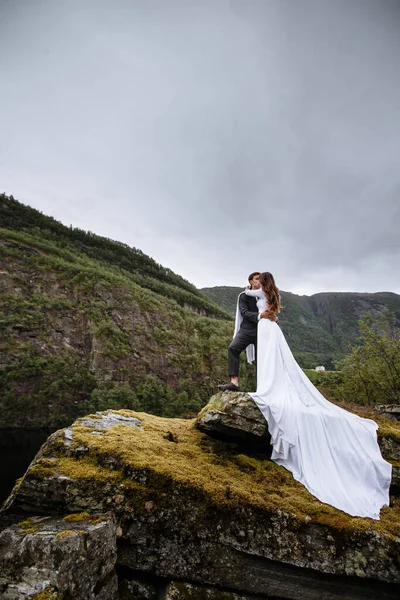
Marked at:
<point>332,452</point>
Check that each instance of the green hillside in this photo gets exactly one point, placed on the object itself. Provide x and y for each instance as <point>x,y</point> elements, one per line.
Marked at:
<point>320,328</point>
<point>87,323</point>
<point>133,263</point>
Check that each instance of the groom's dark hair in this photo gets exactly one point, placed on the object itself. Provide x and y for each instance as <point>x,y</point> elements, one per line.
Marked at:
<point>252,275</point>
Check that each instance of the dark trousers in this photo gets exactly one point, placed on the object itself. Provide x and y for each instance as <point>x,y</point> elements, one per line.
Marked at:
<point>242,339</point>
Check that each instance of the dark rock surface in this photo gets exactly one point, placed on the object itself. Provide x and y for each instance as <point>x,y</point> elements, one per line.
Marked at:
<point>178,590</point>
<point>137,589</point>
<point>234,416</point>
<point>48,557</point>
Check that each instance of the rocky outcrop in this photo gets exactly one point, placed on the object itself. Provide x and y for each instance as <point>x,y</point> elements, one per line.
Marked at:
<point>233,416</point>
<point>202,511</point>
<point>51,558</point>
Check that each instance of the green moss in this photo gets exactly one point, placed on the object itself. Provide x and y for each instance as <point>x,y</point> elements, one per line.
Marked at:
<point>69,532</point>
<point>38,471</point>
<point>76,517</point>
<point>207,469</point>
<point>48,594</point>
<point>217,404</point>
<point>87,469</point>
<point>31,530</point>
<point>100,519</point>
<point>26,523</point>
<point>29,527</point>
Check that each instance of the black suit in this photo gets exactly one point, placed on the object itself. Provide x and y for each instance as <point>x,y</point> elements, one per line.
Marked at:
<point>246,335</point>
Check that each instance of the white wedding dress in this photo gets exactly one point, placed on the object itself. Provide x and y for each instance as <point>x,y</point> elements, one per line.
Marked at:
<point>332,452</point>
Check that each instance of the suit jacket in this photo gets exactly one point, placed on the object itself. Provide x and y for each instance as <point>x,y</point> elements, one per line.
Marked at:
<point>248,310</point>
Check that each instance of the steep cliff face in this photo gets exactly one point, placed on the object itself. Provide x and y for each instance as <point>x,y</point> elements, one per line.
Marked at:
<point>340,312</point>
<point>320,328</point>
<point>70,327</point>
<point>87,323</point>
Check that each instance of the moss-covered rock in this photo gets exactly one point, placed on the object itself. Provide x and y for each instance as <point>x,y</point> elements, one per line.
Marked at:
<point>44,558</point>
<point>193,508</point>
<point>234,416</point>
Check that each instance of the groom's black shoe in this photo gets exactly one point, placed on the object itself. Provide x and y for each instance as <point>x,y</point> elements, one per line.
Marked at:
<point>229,387</point>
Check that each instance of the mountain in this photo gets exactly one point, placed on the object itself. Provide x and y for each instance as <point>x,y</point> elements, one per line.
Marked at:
<point>87,323</point>
<point>320,328</point>
<point>140,268</point>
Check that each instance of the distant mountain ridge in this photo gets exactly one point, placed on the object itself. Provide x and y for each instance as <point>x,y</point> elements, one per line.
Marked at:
<point>320,328</point>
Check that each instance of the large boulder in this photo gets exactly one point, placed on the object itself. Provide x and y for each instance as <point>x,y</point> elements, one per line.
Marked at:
<point>196,509</point>
<point>178,590</point>
<point>56,558</point>
<point>234,417</point>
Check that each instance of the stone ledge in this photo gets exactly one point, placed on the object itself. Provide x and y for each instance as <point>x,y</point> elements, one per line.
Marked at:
<point>53,557</point>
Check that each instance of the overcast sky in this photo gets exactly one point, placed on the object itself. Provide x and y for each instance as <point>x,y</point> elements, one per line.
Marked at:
<point>218,136</point>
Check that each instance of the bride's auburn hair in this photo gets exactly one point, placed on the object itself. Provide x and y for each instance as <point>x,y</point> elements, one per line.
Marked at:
<point>271,291</point>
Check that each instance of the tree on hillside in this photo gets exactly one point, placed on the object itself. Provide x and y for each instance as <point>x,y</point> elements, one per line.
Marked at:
<point>370,374</point>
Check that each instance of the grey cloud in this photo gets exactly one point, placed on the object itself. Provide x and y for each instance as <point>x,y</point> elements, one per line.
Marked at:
<point>217,136</point>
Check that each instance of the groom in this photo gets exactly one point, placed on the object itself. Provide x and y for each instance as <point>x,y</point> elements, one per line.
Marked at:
<point>245,337</point>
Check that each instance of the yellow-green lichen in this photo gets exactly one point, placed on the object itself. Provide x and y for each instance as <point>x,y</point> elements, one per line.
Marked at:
<point>86,468</point>
<point>387,428</point>
<point>84,516</point>
<point>69,532</point>
<point>29,527</point>
<point>39,472</point>
<point>95,520</point>
<point>218,403</point>
<point>26,523</point>
<point>47,594</point>
<point>42,468</point>
<point>76,517</point>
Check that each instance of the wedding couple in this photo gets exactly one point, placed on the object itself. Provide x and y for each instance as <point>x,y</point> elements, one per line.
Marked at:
<point>332,452</point>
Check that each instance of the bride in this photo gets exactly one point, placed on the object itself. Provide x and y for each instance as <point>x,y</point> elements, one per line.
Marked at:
<point>332,452</point>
